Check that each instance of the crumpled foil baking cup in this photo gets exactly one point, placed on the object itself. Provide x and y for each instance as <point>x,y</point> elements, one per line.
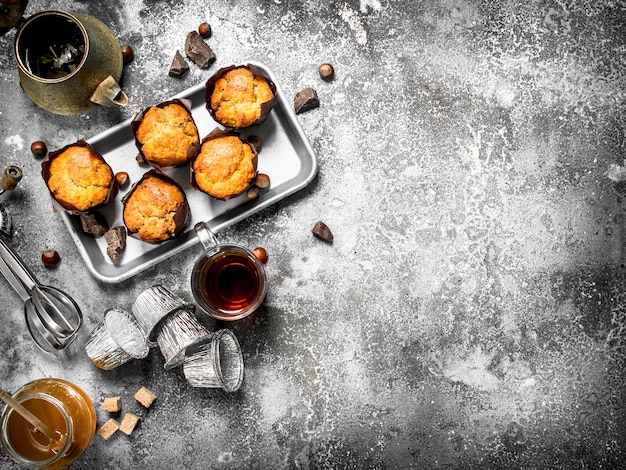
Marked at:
<point>215,363</point>
<point>45,173</point>
<point>177,332</point>
<point>116,340</point>
<point>152,306</point>
<point>265,107</point>
<point>136,122</point>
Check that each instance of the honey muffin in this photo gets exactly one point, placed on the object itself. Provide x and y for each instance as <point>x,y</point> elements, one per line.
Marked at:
<point>166,134</point>
<point>239,97</point>
<point>155,209</point>
<point>225,165</point>
<point>78,177</point>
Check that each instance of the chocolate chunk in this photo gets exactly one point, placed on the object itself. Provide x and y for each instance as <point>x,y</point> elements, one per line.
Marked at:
<point>93,223</point>
<point>198,50</point>
<point>116,241</point>
<point>305,100</point>
<point>322,232</point>
<point>179,66</point>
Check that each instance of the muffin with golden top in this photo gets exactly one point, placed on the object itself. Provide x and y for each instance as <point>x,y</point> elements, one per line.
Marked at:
<point>225,165</point>
<point>156,208</point>
<point>166,134</point>
<point>239,96</point>
<point>78,178</point>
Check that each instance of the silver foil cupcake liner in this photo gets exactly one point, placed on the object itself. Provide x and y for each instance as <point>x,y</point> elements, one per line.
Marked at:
<point>116,340</point>
<point>152,306</point>
<point>216,362</point>
<point>176,333</point>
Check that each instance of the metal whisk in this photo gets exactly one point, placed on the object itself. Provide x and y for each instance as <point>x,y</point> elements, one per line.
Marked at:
<point>53,318</point>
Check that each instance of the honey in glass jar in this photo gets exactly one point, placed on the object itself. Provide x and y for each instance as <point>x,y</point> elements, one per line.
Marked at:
<point>65,409</point>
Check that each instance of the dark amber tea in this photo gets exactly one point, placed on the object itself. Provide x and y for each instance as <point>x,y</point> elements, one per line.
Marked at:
<point>231,282</point>
<point>227,281</point>
<point>52,47</point>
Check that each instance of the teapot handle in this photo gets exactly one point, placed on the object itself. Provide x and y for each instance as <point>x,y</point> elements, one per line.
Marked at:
<point>109,93</point>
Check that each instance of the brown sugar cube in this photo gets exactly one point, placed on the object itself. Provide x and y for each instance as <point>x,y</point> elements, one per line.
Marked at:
<point>145,397</point>
<point>128,423</point>
<point>108,429</point>
<point>112,404</point>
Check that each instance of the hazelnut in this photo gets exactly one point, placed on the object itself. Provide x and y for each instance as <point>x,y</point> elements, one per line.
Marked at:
<point>121,178</point>
<point>260,253</point>
<point>140,159</point>
<point>327,72</point>
<point>262,181</point>
<point>252,193</point>
<point>127,53</point>
<point>50,258</point>
<point>39,148</point>
<point>205,30</point>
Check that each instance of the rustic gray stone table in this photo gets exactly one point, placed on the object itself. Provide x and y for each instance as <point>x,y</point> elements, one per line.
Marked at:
<point>471,311</point>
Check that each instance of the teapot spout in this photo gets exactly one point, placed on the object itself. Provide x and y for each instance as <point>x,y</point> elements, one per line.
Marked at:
<point>109,93</point>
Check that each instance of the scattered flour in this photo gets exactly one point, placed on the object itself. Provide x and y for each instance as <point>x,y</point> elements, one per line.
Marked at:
<point>353,20</point>
<point>373,4</point>
<point>15,141</point>
<point>617,173</point>
<point>473,371</point>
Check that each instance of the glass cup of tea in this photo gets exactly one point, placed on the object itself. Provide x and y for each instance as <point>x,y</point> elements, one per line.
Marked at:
<point>228,281</point>
<point>68,413</point>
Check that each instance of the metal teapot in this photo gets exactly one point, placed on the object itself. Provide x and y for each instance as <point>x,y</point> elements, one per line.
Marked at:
<point>68,63</point>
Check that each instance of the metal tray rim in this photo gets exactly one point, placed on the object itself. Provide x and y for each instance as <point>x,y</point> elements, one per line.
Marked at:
<point>263,204</point>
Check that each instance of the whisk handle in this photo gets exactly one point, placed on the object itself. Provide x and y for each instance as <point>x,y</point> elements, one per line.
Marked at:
<point>13,280</point>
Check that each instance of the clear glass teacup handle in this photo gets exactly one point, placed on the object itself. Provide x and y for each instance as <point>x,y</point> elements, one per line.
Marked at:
<point>205,235</point>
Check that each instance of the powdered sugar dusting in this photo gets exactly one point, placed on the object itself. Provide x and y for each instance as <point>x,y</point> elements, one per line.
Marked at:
<point>15,141</point>
<point>354,21</point>
<point>366,4</point>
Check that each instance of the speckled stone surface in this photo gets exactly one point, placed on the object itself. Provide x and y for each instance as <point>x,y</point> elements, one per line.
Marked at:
<point>471,312</point>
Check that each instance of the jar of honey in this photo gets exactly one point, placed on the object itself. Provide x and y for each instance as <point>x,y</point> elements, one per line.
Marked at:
<point>65,409</point>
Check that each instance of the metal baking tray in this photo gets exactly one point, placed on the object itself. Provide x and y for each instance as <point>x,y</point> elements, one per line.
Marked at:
<point>286,156</point>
